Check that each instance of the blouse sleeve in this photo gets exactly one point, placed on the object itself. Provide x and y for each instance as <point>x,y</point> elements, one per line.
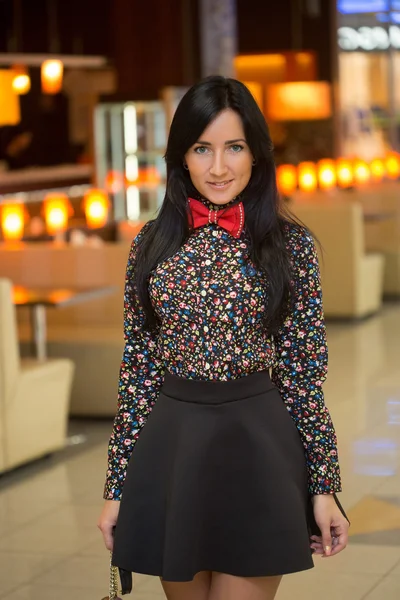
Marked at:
<point>141,377</point>
<point>301,367</point>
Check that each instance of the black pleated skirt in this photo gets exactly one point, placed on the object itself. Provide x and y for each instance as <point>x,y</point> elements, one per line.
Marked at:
<point>217,481</point>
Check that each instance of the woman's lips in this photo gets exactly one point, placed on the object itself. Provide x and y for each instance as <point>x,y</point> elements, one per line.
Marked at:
<point>220,185</point>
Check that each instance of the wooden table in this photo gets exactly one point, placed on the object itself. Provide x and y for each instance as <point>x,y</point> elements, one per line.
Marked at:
<point>39,299</point>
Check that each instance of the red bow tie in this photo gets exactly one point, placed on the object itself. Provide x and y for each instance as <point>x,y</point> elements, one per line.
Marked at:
<point>231,219</point>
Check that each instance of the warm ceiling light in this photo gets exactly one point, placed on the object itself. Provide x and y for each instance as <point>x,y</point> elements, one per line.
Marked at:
<point>12,221</point>
<point>326,174</point>
<point>52,76</point>
<point>344,172</point>
<point>299,101</point>
<point>96,206</point>
<point>307,174</point>
<point>286,177</point>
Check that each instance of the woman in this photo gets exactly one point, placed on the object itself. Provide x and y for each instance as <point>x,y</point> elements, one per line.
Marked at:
<point>225,480</point>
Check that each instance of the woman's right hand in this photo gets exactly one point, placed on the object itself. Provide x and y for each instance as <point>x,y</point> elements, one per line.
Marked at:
<point>108,520</point>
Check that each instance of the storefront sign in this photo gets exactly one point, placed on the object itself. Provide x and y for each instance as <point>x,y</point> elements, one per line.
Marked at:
<point>369,38</point>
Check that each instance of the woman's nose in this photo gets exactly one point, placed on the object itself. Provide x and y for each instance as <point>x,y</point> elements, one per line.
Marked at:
<point>218,167</point>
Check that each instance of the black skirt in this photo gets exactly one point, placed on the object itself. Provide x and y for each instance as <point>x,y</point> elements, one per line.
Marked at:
<point>217,481</point>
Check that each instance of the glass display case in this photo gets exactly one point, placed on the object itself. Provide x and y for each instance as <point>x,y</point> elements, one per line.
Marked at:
<point>130,142</point>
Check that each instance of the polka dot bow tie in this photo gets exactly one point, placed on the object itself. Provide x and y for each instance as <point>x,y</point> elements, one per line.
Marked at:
<point>231,219</point>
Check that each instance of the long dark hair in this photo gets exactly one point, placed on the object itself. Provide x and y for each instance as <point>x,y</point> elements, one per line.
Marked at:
<point>265,222</point>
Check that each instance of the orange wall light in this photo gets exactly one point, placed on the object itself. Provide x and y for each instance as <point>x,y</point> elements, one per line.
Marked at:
<point>21,83</point>
<point>326,174</point>
<point>286,177</point>
<point>10,113</point>
<point>307,173</point>
<point>392,164</point>
<point>12,221</point>
<point>344,173</point>
<point>52,76</point>
<point>96,206</point>
<point>299,101</point>
<point>256,91</point>
<point>378,169</point>
<point>362,173</point>
<point>57,210</point>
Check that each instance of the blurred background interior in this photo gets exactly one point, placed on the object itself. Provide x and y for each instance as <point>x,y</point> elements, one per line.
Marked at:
<point>88,89</point>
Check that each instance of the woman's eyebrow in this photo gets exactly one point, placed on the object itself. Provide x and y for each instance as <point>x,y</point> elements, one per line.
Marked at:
<point>227,143</point>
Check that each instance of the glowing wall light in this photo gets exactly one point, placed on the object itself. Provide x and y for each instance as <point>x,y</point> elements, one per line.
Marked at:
<point>299,101</point>
<point>114,182</point>
<point>378,169</point>
<point>52,76</point>
<point>326,174</point>
<point>57,210</point>
<point>392,164</point>
<point>10,113</point>
<point>96,206</point>
<point>362,173</point>
<point>21,83</point>
<point>307,173</point>
<point>286,177</point>
<point>12,221</point>
<point>344,173</point>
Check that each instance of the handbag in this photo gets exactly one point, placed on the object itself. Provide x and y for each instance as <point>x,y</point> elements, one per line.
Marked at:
<point>125,579</point>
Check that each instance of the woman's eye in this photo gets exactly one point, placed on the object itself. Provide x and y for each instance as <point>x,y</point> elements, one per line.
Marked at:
<point>236,148</point>
<point>201,150</point>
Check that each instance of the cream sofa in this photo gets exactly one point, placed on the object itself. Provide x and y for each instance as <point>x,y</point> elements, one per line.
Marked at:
<point>382,228</point>
<point>89,333</point>
<point>352,280</point>
<point>34,396</point>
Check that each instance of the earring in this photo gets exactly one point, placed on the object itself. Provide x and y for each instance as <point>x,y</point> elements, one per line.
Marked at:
<point>254,163</point>
<point>185,166</point>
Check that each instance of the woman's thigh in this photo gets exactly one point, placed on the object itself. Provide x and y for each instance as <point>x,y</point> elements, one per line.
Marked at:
<point>197,589</point>
<point>230,587</point>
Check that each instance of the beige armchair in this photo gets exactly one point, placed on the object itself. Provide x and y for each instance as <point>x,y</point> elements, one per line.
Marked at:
<point>34,395</point>
<point>352,279</point>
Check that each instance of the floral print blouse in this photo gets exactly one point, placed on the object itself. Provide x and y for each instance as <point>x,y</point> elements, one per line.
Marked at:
<point>210,299</point>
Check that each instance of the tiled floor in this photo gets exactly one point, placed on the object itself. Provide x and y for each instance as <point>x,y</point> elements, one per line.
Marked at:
<point>50,548</point>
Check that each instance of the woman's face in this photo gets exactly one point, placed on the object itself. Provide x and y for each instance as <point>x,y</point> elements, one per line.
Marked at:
<point>220,163</point>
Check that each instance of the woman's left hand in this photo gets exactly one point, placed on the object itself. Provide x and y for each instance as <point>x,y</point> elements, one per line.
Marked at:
<point>333,525</point>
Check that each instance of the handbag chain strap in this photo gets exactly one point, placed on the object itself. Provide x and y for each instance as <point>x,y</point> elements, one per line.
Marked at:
<point>113,581</point>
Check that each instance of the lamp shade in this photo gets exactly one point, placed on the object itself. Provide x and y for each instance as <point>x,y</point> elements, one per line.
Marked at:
<point>12,221</point>
<point>326,174</point>
<point>299,101</point>
<point>286,177</point>
<point>307,173</point>
<point>57,210</point>
<point>96,206</point>
<point>52,76</point>
<point>10,113</point>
